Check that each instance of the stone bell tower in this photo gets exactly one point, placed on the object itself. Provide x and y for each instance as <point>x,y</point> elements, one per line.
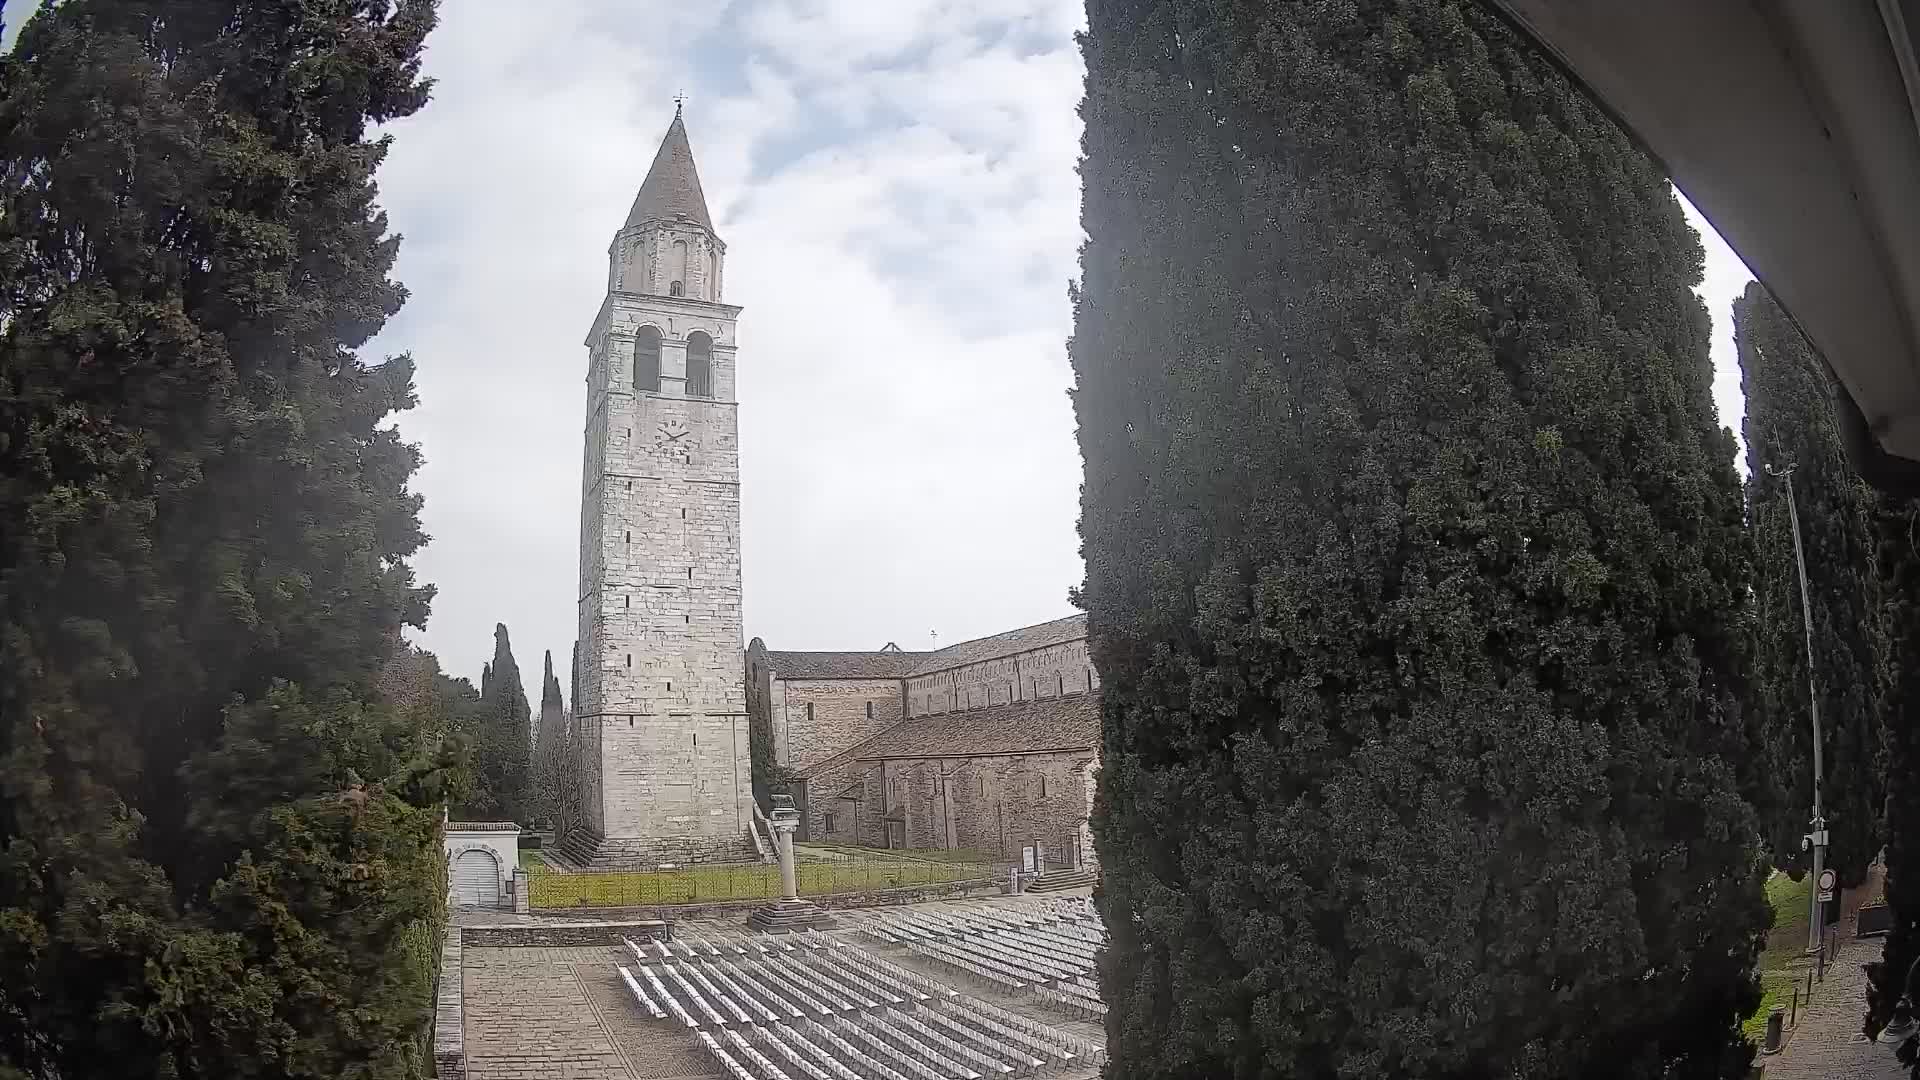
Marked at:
<point>662,712</point>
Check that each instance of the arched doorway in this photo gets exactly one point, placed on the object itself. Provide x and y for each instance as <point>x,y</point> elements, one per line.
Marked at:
<point>476,879</point>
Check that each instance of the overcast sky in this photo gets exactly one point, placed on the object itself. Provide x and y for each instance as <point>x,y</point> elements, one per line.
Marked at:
<point>895,183</point>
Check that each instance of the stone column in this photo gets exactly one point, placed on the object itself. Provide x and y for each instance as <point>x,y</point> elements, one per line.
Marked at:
<point>783,840</point>
<point>789,912</point>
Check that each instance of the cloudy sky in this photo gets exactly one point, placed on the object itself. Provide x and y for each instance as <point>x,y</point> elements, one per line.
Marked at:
<point>895,182</point>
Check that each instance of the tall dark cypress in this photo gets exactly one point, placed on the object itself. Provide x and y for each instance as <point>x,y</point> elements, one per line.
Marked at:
<point>502,738</point>
<point>219,847</point>
<point>1791,421</point>
<point>1416,565</point>
<point>1898,572</point>
<point>549,749</point>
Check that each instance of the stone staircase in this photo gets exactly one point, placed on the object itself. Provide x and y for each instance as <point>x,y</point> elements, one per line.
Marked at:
<point>582,851</point>
<point>1062,879</point>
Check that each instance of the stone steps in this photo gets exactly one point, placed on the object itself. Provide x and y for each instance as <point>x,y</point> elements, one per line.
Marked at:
<point>1061,880</point>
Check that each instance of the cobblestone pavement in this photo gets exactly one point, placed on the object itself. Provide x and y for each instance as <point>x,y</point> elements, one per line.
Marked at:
<point>1827,1044</point>
<point>554,1014</point>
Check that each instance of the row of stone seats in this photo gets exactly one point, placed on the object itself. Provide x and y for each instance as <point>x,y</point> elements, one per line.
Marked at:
<point>1034,967</point>
<point>1079,1006</point>
<point>955,958</point>
<point>871,1019</point>
<point>914,1058</point>
<point>1056,1044</point>
<point>641,995</point>
<point>734,1068</point>
<point>874,1070</point>
<point>959,1028</point>
<point>954,1047</point>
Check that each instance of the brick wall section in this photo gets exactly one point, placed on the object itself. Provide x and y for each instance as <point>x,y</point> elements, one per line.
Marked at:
<point>449,1027</point>
<point>1023,676</point>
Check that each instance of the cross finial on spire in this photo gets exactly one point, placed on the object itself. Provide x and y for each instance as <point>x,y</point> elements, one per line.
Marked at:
<point>679,100</point>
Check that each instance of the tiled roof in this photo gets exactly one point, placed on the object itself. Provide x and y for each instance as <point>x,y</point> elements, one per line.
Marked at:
<point>482,826</point>
<point>894,664</point>
<point>841,665</point>
<point>1025,639</point>
<point>1020,727</point>
<point>672,188</point>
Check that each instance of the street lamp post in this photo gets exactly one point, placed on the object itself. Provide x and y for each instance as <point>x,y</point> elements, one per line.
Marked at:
<point>1816,840</point>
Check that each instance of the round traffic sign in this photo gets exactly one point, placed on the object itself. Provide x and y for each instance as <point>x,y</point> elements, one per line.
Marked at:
<point>1826,881</point>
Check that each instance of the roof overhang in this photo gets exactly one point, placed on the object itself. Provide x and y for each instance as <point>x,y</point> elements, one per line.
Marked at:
<point>1794,126</point>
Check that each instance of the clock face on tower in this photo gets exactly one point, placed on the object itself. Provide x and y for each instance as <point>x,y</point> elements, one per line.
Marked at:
<point>673,439</point>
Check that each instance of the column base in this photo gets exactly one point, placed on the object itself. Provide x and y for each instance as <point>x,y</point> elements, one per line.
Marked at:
<point>787,916</point>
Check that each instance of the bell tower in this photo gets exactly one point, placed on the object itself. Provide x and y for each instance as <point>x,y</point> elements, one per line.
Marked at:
<point>662,713</point>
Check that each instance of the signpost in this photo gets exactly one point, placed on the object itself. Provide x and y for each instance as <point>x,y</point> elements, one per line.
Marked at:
<point>1825,887</point>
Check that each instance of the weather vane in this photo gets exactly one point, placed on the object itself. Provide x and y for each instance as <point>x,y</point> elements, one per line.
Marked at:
<point>679,101</point>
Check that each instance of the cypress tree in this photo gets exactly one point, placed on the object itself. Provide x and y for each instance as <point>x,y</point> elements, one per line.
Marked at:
<point>1791,421</point>
<point>1416,564</point>
<point>549,752</point>
<point>1889,978</point>
<point>502,736</point>
<point>219,849</point>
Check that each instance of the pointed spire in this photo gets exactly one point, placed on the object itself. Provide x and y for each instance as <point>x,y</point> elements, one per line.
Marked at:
<point>672,189</point>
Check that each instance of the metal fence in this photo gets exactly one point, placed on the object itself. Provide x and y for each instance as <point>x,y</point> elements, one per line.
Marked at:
<point>744,881</point>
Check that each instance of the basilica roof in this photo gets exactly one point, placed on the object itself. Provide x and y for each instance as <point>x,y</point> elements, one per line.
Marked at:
<point>1025,639</point>
<point>892,663</point>
<point>1033,726</point>
<point>842,665</point>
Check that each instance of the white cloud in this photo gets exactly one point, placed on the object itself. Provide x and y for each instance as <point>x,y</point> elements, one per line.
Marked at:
<point>900,238</point>
<point>896,182</point>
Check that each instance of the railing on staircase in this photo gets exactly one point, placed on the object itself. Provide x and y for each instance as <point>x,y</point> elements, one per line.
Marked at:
<point>762,831</point>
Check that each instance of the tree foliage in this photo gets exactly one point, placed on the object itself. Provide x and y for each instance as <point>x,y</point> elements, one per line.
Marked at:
<point>500,732</point>
<point>1894,976</point>
<point>1416,565</point>
<point>1791,422</point>
<point>218,846</point>
<point>550,750</point>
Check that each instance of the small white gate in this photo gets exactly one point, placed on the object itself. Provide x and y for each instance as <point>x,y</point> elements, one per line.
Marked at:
<point>476,879</point>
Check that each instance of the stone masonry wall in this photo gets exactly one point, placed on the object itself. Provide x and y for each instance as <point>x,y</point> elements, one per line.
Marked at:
<point>814,719</point>
<point>1038,673</point>
<point>993,804</point>
<point>662,688</point>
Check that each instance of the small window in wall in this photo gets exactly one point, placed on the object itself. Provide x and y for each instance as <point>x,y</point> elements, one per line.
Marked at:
<point>678,288</point>
<point>828,822</point>
<point>1043,786</point>
<point>809,712</point>
<point>669,684</point>
<point>869,710</point>
<point>1063,685</point>
<point>983,787</point>
<point>629,659</point>
<point>626,601</point>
